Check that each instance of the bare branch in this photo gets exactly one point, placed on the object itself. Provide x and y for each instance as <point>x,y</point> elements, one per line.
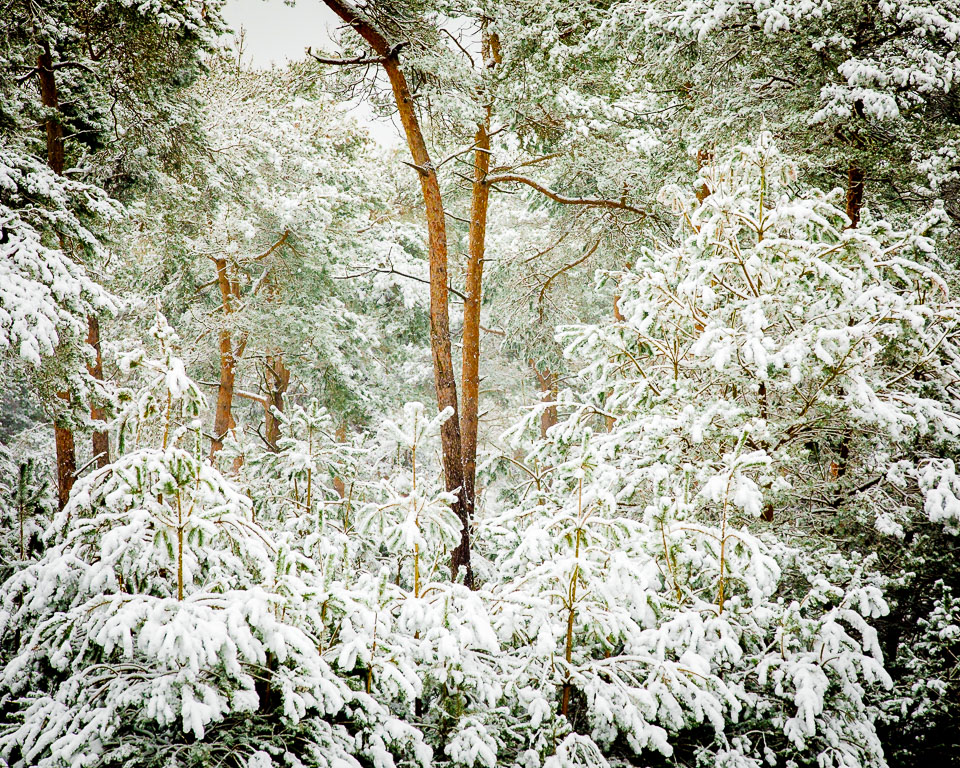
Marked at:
<point>593,202</point>
<point>393,271</point>
<point>457,43</point>
<point>563,269</point>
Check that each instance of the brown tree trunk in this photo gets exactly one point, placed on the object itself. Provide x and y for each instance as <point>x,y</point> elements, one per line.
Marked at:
<point>444,380</point>
<point>277,377</point>
<point>470,374</point>
<point>49,99</point>
<point>855,179</point>
<point>101,439</point>
<point>704,157</point>
<point>223,416</point>
<point>66,459</point>
<point>470,378</point>
<point>547,380</point>
<point>338,485</point>
<point>65,447</point>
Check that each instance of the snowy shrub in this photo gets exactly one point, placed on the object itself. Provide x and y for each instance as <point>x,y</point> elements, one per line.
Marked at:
<point>150,632</point>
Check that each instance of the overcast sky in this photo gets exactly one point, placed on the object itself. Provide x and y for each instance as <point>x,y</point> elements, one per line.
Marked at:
<point>275,33</point>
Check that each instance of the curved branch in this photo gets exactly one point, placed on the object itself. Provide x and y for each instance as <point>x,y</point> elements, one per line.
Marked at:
<point>563,269</point>
<point>593,202</point>
<point>345,62</point>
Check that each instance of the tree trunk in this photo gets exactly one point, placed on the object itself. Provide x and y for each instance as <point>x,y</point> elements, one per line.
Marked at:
<point>547,380</point>
<point>855,179</point>
<point>704,157</point>
<point>223,417</point>
<point>277,378</point>
<point>444,380</point>
<point>48,96</point>
<point>338,485</point>
<point>66,459</point>
<point>65,446</point>
<point>101,439</point>
<point>470,374</point>
<point>470,378</point>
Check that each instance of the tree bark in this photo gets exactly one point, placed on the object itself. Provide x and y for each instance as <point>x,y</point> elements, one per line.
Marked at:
<point>547,380</point>
<point>49,99</point>
<point>704,157</point>
<point>223,417</point>
<point>66,459</point>
<point>444,380</point>
<point>277,378</point>
<point>338,485</point>
<point>101,439</point>
<point>479,204</point>
<point>470,377</point>
<point>65,446</point>
<point>855,179</point>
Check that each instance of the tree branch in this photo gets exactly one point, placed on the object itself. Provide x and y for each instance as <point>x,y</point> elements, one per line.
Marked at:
<point>345,62</point>
<point>393,271</point>
<point>593,202</point>
<point>563,269</point>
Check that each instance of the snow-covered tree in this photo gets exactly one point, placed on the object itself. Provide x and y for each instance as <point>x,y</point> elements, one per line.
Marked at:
<point>150,631</point>
<point>771,367</point>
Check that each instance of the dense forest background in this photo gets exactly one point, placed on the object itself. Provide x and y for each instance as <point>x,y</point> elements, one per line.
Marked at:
<point>608,418</point>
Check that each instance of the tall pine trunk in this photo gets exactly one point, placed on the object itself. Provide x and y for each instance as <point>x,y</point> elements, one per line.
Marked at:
<point>101,439</point>
<point>444,380</point>
<point>470,373</point>
<point>65,446</point>
<point>470,377</point>
<point>66,451</point>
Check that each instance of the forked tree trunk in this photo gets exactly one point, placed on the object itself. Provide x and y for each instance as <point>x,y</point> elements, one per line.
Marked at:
<point>277,378</point>
<point>444,380</point>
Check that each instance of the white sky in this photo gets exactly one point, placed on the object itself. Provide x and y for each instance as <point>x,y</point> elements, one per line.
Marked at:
<point>275,33</point>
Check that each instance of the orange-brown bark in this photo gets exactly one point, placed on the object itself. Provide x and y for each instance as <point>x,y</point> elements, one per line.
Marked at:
<point>470,377</point>
<point>444,380</point>
<point>101,439</point>
<point>547,381</point>
<point>50,99</point>
<point>66,459</point>
<point>338,485</point>
<point>223,420</point>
